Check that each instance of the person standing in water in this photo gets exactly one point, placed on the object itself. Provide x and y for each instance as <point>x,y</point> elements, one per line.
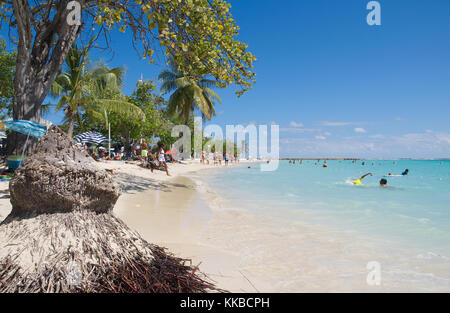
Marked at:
<point>358,181</point>
<point>325,164</point>
<point>383,183</point>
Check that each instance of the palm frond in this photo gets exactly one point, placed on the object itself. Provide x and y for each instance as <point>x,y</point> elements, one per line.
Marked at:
<point>167,75</point>
<point>211,95</point>
<point>167,87</point>
<point>207,83</point>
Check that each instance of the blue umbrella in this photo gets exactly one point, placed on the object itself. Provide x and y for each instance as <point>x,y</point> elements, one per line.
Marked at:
<point>91,137</point>
<point>28,128</point>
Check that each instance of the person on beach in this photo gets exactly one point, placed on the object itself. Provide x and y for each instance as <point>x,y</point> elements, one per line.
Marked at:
<point>144,150</point>
<point>161,158</point>
<point>358,181</point>
<point>203,157</point>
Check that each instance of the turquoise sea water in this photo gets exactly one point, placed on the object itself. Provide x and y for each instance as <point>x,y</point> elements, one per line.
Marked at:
<point>413,214</point>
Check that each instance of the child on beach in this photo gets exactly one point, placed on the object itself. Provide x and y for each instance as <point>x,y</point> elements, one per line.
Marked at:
<point>161,158</point>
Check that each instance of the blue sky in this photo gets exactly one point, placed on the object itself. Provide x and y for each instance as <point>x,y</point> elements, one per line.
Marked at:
<point>335,85</point>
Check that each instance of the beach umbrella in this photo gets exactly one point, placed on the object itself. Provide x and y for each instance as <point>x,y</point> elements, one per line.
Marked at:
<point>28,128</point>
<point>91,137</point>
<point>168,152</point>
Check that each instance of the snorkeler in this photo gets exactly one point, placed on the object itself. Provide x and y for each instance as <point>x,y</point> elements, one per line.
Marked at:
<point>405,172</point>
<point>358,181</point>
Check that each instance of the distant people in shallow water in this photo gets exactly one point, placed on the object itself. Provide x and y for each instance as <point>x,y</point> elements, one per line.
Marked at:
<point>405,172</point>
<point>325,164</point>
<point>383,183</point>
<point>358,181</point>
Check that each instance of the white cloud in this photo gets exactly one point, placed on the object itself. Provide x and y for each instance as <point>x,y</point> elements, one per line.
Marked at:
<point>333,124</point>
<point>320,137</point>
<point>295,124</point>
<point>299,130</point>
<point>360,130</point>
<point>410,145</point>
<point>327,133</point>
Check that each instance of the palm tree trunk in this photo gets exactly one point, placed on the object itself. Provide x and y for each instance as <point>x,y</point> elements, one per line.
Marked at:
<point>71,124</point>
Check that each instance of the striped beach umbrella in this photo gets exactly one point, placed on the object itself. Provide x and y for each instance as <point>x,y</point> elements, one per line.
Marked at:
<point>90,137</point>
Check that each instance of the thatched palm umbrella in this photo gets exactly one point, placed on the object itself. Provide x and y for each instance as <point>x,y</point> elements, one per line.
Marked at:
<point>62,237</point>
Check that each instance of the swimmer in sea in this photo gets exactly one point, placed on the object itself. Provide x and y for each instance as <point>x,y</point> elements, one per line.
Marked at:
<point>405,172</point>
<point>325,164</point>
<point>383,183</point>
<point>358,181</point>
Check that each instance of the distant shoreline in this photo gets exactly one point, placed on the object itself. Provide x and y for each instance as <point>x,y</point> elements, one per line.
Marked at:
<point>360,159</point>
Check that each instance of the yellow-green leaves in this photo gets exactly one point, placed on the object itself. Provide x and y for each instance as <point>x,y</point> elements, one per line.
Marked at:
<point>200,35</point>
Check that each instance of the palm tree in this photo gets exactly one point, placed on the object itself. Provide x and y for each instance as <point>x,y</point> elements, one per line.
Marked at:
<point>82,90</point>
<point>190,93</point>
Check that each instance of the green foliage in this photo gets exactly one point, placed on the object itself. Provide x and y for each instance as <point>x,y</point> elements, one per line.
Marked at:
<point>7,72</point>
<point>200,35</point>
<point>189,93</point>
<point>213,143</point>
<point>95,92</point>
<point>154,123</point>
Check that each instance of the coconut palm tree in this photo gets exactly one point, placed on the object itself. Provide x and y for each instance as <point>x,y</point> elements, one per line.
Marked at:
<point>81,90</point>
<point>189,93</point>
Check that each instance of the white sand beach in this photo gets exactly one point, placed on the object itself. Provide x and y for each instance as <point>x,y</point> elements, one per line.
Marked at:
<point>163,209</point>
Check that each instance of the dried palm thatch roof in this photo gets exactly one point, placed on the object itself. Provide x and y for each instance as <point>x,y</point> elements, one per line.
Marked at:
<point>82,247</point>
<point>87,252</point>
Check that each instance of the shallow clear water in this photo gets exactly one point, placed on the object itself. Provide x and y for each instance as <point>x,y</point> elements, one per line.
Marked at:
<point>413,214</point>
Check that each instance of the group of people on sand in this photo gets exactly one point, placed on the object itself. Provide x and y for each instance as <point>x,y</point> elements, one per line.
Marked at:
<point>100,153</point>
<point>217,158</point>
<point>155,156</point>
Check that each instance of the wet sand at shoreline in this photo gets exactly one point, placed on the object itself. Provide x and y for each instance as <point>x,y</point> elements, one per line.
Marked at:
<point>172,215</point>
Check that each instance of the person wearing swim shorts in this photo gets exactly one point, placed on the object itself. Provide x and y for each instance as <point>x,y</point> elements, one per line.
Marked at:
<point>358,181</point>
